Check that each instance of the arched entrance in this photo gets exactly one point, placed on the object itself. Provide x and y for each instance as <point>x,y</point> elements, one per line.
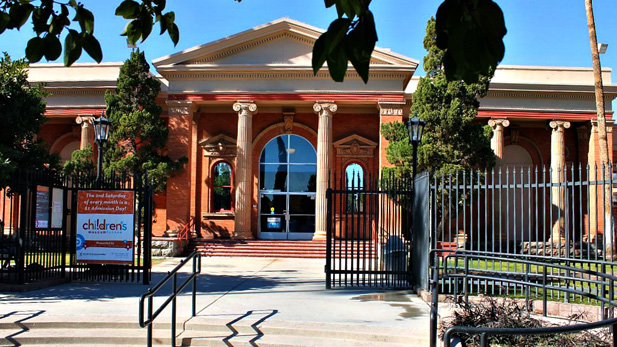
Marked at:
<point>517,169</point>
<point>287,182</point>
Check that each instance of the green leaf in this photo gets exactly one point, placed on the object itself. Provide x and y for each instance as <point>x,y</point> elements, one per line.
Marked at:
<point>92,47</point>
<point>146,27</point>
<point>329,3</point>
<point>163,22</point>
<point>336,34</point>
<point>72,47</point>
<point>319,53</point>
<point>4,21</point>
<point>40,17</point>
<point>19,14</point>
<point>360,43</point>
<point>132,31</point>
<point>356,7</point>
<point>34,49</point>
<point>65,11</point>
<point>337,64</point>
<point>174,33</point>
<point>170,17</point>
<point>85,19</point>
<point>52,47</point>
<point>128,9</point>
<point>471,33</point>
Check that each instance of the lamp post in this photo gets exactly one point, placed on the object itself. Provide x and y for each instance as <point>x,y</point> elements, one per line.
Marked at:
<point>101,135</point>
<point>415,126</point>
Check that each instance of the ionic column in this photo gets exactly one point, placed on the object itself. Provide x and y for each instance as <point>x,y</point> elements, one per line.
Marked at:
<point>244,143</point>
<point>325,110</point>
<point>498,124</point>
<point>558,161</point>
<point>86,124</point>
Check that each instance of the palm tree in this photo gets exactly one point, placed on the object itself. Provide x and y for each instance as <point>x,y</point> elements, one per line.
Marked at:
<point>602,138</point>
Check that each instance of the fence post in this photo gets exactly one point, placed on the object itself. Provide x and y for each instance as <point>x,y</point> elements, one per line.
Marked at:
<point>329,238</point>
<point>435,299</point>
<point>23,225</point>
<point>173,309</point>
<point>146,188</point>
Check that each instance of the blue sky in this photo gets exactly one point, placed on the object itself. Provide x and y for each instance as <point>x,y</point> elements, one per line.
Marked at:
<point>546,32</point>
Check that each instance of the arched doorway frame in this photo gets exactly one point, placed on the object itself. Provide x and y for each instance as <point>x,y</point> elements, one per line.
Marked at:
<point>260,142</point>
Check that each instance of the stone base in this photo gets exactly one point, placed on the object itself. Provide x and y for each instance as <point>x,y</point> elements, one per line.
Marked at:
<point>167,247</point>
<point>243,235</point>
<point>558,249</point>
<point>320,235</point>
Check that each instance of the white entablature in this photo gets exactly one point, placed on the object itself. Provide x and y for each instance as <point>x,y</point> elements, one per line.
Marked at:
<point>275,57</point>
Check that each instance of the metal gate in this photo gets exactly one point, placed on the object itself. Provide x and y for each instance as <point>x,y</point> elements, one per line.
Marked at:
<point>369,232</point>
<point>39,229</point>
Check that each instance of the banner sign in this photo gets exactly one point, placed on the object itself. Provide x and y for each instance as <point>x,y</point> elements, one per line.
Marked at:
<point>42,207</point>
<point>105,226</point>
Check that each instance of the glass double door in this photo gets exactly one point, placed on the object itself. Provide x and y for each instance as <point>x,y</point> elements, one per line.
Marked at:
<point>287,182</point>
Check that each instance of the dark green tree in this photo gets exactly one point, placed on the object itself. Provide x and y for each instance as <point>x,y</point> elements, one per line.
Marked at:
<point>22,109</point>
<point>81,162</point>
<point>138,134</point>
<point>453,139</point>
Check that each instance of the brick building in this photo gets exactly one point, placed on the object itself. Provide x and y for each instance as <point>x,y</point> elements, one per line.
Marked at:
<point>261,132</point>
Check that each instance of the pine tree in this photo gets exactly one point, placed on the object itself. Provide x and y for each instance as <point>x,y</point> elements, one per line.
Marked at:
<point>22,109</point>
<point>138,134</point>
<point>453,138</point>
<point>80,162</point>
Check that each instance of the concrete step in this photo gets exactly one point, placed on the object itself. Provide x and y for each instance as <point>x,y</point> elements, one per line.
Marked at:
<point>284,249</point>
<point>203,331</point>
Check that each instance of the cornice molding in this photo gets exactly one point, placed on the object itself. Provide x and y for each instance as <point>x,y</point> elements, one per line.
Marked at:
<point>306,74</point>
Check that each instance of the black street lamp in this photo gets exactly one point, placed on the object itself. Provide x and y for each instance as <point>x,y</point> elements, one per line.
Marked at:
<point>415,126</point>
<point>101,135</point>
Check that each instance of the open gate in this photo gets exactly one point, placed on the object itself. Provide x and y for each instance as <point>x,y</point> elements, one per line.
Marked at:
<point>40,240</point>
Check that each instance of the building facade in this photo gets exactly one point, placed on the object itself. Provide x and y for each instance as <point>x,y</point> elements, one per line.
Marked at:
<point>263,135</point>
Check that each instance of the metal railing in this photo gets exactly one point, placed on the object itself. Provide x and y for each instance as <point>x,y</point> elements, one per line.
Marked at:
<point>185,233</point>
<point>176,289</point>
<point>467,267</point>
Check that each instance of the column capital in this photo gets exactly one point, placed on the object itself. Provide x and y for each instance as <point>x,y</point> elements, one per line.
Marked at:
<point>559,125</point>
<point>325,108</point>
<point>609,125</point>
<point>390,108</point>
<point>499,122</point>
<point>85,121</point>
<point>245,108</point>
<point>181,106</point>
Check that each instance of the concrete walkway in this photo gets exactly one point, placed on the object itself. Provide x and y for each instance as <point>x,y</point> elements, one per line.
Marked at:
<point>280,291</point>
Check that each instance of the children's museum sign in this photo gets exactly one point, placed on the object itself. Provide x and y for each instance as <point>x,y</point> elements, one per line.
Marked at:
<point>105,226</point>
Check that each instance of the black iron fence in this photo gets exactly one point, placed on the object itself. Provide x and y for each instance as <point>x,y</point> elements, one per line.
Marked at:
<point>369,232</point>
<point>38,216</point>
<point>565,215</point>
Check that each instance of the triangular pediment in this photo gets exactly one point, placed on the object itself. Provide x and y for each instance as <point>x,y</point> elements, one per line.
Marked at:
<point>219,146</point>
<point>355,140</point>
<point>281,42</point>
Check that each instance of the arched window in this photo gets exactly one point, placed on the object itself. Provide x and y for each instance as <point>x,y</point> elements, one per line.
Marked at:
<point>221,187</point>
<point>354,178</point>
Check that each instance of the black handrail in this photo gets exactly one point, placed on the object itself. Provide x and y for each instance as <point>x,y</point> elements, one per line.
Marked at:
<point>485,333</point>
<point>173,274</point>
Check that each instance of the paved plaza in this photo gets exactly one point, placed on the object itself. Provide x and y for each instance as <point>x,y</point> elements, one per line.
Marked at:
<point>261,292</point>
